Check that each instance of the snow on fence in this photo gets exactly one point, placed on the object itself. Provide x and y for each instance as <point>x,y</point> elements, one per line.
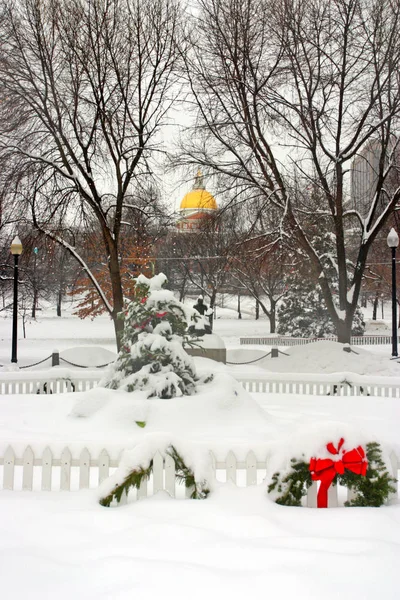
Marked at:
<point>47,382</point>
<point>65,473</point>
<point>322,387</point>
<point>357,340</point>
<point>341,384</point>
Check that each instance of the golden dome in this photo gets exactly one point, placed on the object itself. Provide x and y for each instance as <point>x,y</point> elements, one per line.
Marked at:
<point>199,198</point>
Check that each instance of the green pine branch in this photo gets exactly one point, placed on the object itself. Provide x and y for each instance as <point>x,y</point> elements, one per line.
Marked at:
<point>183,474</point>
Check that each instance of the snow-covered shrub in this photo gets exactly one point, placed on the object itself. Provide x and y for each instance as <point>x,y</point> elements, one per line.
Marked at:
<point>152,357</point>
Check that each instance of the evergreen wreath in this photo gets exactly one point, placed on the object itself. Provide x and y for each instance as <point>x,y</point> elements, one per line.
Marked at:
<point>372,490</point>
<point>183,474</point>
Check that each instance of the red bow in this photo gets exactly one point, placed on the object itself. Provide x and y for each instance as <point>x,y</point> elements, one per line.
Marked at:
<point>326,469</point>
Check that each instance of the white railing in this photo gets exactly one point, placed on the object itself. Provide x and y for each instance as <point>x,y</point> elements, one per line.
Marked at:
<point>306,384</point>
<point>356,340</point>
<point>52,473</point>
<point>52,381</point>
<point>334,384</point>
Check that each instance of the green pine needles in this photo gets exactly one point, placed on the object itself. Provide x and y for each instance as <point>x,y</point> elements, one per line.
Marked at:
<point>183,475</point>
<point>152,357</point>
<point>199,489</point>
<point>133,480</point>
<point>372,490</point>
<point>375,488</point>
<point>292,486</point>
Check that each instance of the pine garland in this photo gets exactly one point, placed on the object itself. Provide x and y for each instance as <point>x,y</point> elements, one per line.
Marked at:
<point>183,474</point>
<point>294,485</point>
<point>133,480</point>
<point>372,490</point>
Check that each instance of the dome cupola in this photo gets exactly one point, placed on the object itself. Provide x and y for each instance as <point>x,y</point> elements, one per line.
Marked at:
<point>198,199</point>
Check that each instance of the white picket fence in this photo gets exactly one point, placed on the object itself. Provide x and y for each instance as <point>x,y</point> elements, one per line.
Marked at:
<point>39,383</point>
<point>275,341</point>
<point>347,384</point>
<point>52,473</point>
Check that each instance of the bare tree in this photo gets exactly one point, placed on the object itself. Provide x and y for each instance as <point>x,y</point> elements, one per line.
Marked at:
<point>263,277</point>
<point>289,95</point>
<point>86,86</point>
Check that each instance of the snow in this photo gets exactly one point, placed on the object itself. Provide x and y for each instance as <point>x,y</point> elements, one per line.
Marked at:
<point>232,545</point>
<point>328,357</point>
<point>235,543</point>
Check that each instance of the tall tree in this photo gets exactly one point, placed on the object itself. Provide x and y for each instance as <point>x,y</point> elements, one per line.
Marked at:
<point>290,94</point>
<point>86,86</point>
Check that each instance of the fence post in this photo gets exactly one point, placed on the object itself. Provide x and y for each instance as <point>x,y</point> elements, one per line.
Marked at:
<point>55,358</point>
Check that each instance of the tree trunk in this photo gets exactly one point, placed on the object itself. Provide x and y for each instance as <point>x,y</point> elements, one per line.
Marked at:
<point>257,309</point>
<point>118,297</point>
<point>272,317</point>
<point>119,329</point>
<point>343,330</point>
<point>213,297</point>
<point>59,299</point>
<point>34,303</point>
<point>375,307</point>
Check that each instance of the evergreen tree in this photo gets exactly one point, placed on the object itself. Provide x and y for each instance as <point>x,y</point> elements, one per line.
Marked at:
<point>302,313</point>
<point>152,357</point>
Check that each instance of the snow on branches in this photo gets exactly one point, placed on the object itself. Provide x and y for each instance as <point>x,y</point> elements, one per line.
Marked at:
<point>152,357</point>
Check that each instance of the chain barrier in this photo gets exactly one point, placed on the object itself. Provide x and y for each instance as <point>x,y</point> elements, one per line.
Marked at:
<point>255,360</point>
<point>85,367</point>
<point>66,361</point>
<point>37,363</point>
<point>249,362</point>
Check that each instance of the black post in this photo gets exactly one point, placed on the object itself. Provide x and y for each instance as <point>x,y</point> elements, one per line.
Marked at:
<point>15,312</point>
<point>394,305</point>
<point>239,313</point>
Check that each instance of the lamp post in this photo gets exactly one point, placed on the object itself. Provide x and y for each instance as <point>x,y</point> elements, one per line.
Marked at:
<point>16,251</point>
<point>393,242</point>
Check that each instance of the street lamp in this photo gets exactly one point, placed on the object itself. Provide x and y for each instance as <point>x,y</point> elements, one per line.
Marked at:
<point>393,242</point>
<point>16,251</point>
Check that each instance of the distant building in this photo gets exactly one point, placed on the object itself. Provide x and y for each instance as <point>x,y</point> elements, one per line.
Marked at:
<point>364,176</point>
<point>196,206</point>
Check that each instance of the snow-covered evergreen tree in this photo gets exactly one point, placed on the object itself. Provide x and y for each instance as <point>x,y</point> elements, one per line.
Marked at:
<point>152,357</point>
<point>302,313</point>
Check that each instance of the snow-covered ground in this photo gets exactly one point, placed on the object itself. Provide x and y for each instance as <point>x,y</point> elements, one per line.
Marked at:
<point>234,544</point>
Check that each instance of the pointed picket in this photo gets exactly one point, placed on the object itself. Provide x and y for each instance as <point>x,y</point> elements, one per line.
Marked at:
<point>213,462</point>
<point>251,468</point>
<point>104,465</point>
<point>231,467</point>
<point>65,479</point>
<point>84,469</point>
<point>312,495</point>
<point>47,464</point>
<point>158,473</point>
<point>142,491</point>
<point>124,498</point>
<point>170,475</point>
<point>333,496</point>
<point>27,469</point>
<point>9,462</point>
